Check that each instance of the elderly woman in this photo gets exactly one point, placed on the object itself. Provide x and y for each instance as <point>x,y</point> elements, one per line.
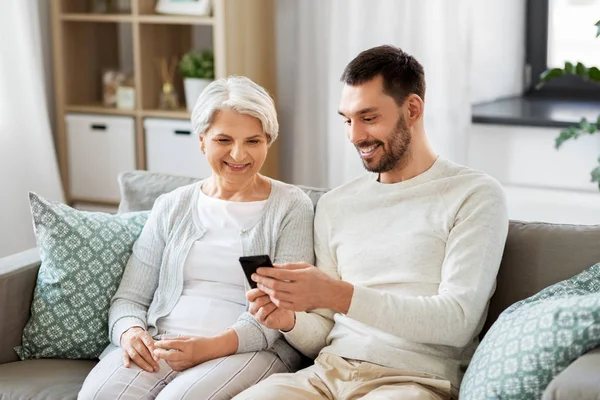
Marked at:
<point>179,317</point>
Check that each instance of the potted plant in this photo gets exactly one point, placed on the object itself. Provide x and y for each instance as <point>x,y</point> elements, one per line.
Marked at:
<point>585,127</point>
<point>198,70</point>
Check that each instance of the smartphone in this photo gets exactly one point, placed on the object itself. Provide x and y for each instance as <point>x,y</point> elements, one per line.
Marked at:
<point>251,263</point>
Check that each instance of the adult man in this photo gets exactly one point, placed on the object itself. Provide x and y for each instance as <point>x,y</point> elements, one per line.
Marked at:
<point>407,257</point>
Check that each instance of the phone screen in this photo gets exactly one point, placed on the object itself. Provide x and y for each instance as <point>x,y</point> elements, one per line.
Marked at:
<point>251,263</point>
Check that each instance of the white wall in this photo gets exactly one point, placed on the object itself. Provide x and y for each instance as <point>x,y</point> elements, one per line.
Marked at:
<point>541,183</point>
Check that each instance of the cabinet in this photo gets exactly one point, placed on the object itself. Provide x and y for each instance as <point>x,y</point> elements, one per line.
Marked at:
<point>240,32</point>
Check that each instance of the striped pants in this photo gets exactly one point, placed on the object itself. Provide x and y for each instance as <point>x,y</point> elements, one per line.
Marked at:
<point>218,379</point>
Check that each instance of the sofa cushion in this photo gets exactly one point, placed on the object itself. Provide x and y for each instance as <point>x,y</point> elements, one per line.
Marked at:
<point>581,380</point>
<point>83,257</point>
<point>140,189</point>
<point>538,255</point>
<point>43,379</point>
<point>535,339</point>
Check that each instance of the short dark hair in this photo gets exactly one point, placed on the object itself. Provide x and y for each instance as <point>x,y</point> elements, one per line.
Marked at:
<point>402,74</point>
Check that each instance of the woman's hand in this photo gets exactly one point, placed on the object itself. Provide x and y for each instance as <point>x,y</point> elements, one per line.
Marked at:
<point>267,313</point>
<point>185,352</point>
<point>138,347</point>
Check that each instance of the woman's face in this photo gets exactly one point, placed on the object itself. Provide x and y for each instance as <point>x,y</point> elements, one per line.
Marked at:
<point>235,146</point>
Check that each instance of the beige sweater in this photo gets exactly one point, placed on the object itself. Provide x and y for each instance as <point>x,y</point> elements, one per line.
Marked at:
<point>422,255</point>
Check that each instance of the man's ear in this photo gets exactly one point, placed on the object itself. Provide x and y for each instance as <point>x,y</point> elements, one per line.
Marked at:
<point>415,107</point>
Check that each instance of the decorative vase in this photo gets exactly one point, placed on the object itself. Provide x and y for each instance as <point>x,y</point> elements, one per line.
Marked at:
<point>193,87</point>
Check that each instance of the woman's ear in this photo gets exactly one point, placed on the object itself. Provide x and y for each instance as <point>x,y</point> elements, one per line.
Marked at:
<point>202,143</point>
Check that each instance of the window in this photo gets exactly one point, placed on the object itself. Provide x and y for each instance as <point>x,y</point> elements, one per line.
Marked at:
<point>560,31</point>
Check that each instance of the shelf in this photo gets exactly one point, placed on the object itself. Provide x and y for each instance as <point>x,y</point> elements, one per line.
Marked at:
<point>177,114</point>
<point>99,109</point>
<point>88,17</point>
<point>174,20</point>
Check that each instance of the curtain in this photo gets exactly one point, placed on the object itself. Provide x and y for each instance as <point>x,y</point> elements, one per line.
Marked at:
<point>315,41</point>
<point>27,157</point>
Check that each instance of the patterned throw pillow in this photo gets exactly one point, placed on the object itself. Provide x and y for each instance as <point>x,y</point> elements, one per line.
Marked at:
<point>535,339</point>
<point>83,257</point>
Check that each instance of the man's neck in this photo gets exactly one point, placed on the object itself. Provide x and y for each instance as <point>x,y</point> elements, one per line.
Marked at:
<point>418,159</point>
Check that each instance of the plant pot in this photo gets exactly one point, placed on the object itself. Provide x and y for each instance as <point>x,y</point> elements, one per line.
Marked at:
<point>193,87</point>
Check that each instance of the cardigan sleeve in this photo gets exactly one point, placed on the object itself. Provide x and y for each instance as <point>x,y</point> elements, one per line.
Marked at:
<point>129,305</point>
<point>294,244</point>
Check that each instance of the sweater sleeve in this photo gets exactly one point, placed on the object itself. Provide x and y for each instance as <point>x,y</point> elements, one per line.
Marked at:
<point>130,303</point>
<point>294,244</point>
<point>473,253</point>
<point>311,330</point>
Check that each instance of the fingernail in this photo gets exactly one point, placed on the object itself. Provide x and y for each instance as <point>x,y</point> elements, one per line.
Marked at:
<point>254,277</point>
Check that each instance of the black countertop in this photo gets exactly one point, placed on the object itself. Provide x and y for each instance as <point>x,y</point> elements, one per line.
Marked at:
<point>527,111</point>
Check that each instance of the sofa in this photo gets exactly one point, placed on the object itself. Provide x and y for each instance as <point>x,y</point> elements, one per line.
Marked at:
<point>536,255</point>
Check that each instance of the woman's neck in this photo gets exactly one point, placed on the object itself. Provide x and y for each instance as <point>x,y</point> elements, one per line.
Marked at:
<point>255,189</point>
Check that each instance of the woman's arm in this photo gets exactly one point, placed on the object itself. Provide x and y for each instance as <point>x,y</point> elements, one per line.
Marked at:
<point>130,303</point>
<point>294,244</point>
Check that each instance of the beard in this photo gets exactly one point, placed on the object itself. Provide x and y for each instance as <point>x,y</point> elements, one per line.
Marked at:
<point>396,151</point>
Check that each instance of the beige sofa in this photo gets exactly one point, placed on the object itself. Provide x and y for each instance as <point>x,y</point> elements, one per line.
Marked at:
<point>536,256</point>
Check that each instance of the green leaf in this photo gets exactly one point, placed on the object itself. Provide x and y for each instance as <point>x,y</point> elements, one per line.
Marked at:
<point>569,68</point>
<point>596,175</point>
<point>598,122</point>
<point>584,125</point>
<point>196,64</point>
<point>567,134</point>
<point>548,75</point>
<point>598,25</point>
<point>582,71</point>
<point>594,74</point>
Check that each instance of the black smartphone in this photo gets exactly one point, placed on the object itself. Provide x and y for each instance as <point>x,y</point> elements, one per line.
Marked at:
<point>251,263</point>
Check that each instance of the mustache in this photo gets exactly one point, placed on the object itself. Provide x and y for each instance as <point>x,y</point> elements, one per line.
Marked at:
<point>368,143</point>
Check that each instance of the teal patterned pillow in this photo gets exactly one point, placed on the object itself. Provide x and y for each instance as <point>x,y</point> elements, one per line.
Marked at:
<point>83,257</point>
<point>535,339</point>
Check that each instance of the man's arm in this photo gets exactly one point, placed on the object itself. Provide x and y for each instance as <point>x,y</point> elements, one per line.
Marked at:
<point>309,334</point>
<point>473,253</point>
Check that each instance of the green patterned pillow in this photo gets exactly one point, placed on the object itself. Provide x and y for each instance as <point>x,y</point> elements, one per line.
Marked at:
<point>83,256</point>
<point>535,339</point>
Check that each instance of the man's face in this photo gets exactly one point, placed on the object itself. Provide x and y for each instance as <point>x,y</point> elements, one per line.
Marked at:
<point>375,125</point>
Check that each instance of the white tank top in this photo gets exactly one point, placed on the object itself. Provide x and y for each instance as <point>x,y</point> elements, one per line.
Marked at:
<point>213,294</point>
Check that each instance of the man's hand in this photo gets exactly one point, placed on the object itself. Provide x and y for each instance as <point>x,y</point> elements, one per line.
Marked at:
<point>303,287</point>
<point>267,313</point>
<point>185,352</point>
<point>138,346</point>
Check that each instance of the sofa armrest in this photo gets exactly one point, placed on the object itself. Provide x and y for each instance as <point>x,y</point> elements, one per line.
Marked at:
<point>18,274</point>
<point>580,380</point>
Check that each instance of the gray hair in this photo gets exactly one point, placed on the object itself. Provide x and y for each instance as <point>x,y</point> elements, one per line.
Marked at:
<point>238,94</point>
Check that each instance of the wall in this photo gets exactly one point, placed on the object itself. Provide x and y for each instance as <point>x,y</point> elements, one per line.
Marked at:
<point>541,183</point>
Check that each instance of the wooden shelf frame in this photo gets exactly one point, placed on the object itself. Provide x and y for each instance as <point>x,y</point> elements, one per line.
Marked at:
<point>141,19</point>
<point>85,42</point>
